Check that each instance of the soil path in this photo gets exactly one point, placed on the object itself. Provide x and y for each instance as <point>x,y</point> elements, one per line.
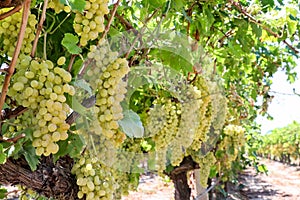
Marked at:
<point>281,183</point>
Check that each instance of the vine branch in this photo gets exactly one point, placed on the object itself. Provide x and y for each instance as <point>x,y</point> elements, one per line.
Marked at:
<point>113,12</point>
<point>14,139</point>
<point>10,12</point>
<point>50,179</point>
<point>11,68</point>
<point>140,33</point>
<point>126,24</point>
<point>39,28</point>
<point>12,113</point>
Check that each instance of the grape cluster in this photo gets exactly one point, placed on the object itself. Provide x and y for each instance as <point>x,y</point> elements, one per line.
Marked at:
<point>91,22</point>
<point>205,164</point>
<point>95,180</point>
<point>127,167</point>
<point>40,86</point>
<point>219,106</point>
<point>9,29</point>
<point>58,7</point>
<point>191,102</point>
<point>162,125</point>
<point>106,78</point>
<point>205,115</point>
<point>233,138</point>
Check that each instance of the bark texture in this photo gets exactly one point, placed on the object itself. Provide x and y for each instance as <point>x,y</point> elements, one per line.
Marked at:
<point>50,179</point>
<point>180,180</point>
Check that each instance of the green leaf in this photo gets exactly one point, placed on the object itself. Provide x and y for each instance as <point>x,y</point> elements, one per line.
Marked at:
<point>76,105</point>
<point>292,27</point>
<point>256,29</point>
<point>76,67</point>
<point>30,156</point>
<point>70,42</point>
<point>72,146</point>
<point>131,124</point>
<point>169,168</point>
<point>83,85</point>
<point>213,172</point>
<point>74,4</point>
<point>2,155</point>
<point>3,193</point>
<point>269,3</point>
<point>4,127</point>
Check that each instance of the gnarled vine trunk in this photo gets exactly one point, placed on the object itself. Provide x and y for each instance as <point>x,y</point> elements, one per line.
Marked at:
<point>50,179</point>
<point>179,177</point>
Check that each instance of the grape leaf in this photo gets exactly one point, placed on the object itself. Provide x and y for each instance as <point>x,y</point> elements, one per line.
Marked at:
<point>83,85</point>
<point>3,193</point>
<point>76,105</point>
<point>2,155</point>
<point>292,27</point>
<point>70,42</point>
<point>74,4</point>
<point>131,124</point>
<point>30,156</point>
<point>72,146</point>
<point>76,67</point>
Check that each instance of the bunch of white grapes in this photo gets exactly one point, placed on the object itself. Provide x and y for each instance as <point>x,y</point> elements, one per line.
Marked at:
<point>106,75</point>
<point>127,168</point>
<point>95,180</point>
<point>205,113</point>
<point>162,125</point>
<point>205,164</point>
<point>41,87</point>
<point>233,140</point>
<point>58,7</point>
<point>191,102</point>
<point>9,30</point>
<point>90,23</point>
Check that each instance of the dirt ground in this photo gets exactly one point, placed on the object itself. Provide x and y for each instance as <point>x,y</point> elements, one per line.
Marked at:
<point>281,183</point>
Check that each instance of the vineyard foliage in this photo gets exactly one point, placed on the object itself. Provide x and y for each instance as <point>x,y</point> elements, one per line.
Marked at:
<point>95,88</point>
<point>282,144</point>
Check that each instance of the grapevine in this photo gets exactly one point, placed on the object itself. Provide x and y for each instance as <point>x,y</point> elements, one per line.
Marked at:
<point>72,103</point>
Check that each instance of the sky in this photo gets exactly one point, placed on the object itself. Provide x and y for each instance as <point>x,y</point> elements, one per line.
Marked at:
<point>284,108</point>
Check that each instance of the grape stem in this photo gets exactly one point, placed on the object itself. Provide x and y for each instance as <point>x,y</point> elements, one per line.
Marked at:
<point>11,68</point>
<point>126,24</point>
<point>12,113</point>
<point>14,139</point>
<point>72,59</point>
<point>113,12</point>
<point>39,28</point>
<point>10,12</point>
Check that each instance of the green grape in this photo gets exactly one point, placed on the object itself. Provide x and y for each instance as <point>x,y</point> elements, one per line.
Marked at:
<point>90,23</point>
<point>48,106</point>
<point>58,7</point>
<point>100,184</point>
<point>9,27</point>
<point>109,96</point>
<point>233,139</point>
